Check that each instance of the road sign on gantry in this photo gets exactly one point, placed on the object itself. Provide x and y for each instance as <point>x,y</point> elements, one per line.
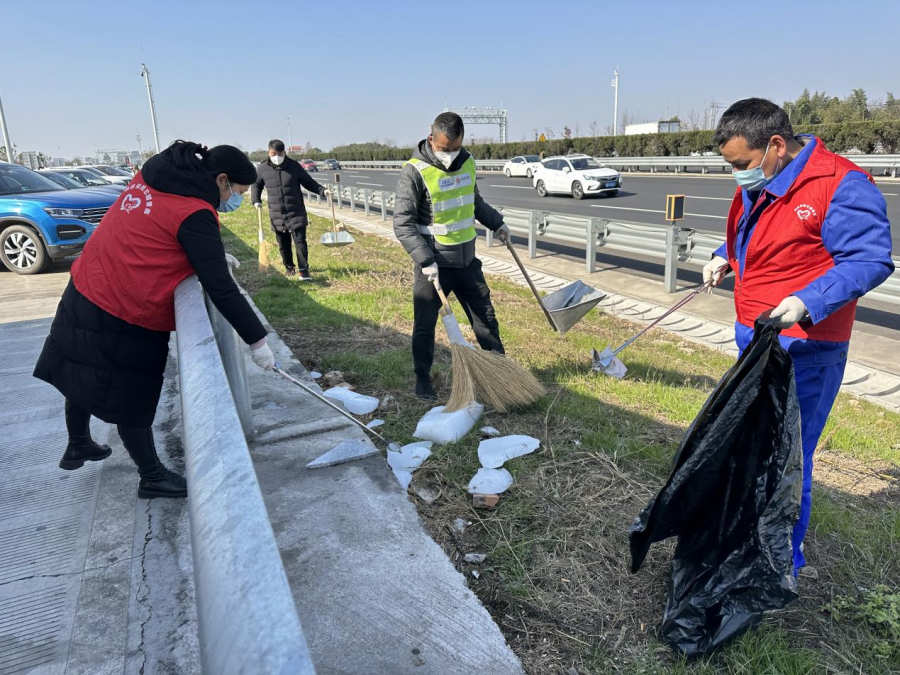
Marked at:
<point>674,208</point>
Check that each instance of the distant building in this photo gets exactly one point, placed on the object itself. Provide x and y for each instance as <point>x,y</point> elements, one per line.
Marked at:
<point>58,161</point>
<point>116,157</point>
<point>664,127</point>
<point>29,158</point>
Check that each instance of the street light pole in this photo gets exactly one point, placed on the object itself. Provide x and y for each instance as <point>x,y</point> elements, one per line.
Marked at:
<point>146,75</point>
<point>615,84</point>
<point>290,136</point>
<point>10,154</point>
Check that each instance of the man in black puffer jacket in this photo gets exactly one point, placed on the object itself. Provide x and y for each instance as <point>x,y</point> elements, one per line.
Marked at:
<point>284,180</point>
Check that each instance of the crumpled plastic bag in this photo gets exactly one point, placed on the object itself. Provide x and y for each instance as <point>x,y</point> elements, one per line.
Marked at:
<point>407,460</point>
<point>494,452</point>
<point>358,404</point>
<point>442,427</point>
<point>732,500</point>
<point>490,482</point>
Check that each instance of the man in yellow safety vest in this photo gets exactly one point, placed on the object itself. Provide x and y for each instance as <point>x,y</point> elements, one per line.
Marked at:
<point>435,211</point>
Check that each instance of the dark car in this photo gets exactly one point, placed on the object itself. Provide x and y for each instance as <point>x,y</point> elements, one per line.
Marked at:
<point>68,183</point>
<point>330,165</point>
<point>86,177</point>
<point>309,165</point>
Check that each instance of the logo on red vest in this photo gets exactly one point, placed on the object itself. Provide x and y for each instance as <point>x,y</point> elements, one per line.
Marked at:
<point>804,211</point>
<point>131,202</point>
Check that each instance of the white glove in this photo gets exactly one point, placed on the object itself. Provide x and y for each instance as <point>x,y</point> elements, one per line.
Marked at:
<point>431,272</point>
<point>258,205</point>
<point>231,260</point>
<point>327,193</point>
<point>789,311</point>
<point>503,233</point>
<point>263,356</point>
<point>711,271</point>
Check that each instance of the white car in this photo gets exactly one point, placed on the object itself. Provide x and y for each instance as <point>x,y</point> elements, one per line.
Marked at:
<point>577,175</point>
<point>523,165</point>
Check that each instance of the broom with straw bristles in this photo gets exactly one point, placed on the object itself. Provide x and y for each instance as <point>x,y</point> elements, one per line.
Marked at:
<point>264,246</point>
<point>497,381</point>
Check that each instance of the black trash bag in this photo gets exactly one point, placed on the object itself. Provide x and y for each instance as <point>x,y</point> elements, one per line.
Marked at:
<point>732,501</point>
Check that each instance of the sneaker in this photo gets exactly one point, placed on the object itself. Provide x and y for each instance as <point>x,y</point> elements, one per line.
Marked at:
<point>290,272</point>
<point>424,390</point>
<point>162,483</point>
<point>76,456</point>
<point>303,276</point>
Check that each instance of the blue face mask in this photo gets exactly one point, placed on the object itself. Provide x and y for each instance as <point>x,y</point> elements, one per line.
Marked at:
<point>232,203</point>
<point>754,179</point>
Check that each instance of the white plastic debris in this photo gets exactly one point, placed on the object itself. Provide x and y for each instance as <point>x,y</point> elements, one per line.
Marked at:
<point>460,525</point>
<point>490,432</point>
<point>475,558</point>
<point>442,427</point>
<point>490,481</point>
<point>315,375</point>
<point>476,574</point>
<point>407,460</point>
<point>358,404</point>
<point>375,423</point>
<point>493,452</point>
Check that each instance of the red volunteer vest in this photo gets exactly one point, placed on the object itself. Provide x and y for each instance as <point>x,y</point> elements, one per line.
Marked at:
<point>786,251</point>
<point>133,262</point>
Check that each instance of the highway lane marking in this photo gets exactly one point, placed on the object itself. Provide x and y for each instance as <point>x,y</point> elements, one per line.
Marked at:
<point>514,187</point>
<point>632,208</point>
<point>373,184</point>
<point>891,194</point>
<point>721,199</point>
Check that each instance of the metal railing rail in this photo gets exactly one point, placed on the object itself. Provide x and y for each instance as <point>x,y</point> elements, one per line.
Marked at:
<point>674,244</point>
<point>677,164</point>
<point>247,620</point>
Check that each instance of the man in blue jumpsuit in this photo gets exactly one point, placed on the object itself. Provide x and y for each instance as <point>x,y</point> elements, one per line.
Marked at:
<point>808,235</point>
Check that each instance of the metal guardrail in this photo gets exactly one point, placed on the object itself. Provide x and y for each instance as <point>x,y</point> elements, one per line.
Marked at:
<point>674,244</point>
<point>677,164</point>
<point>247,620</point>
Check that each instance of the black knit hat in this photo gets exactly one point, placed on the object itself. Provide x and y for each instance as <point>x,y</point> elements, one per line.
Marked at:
<point>232,162</point>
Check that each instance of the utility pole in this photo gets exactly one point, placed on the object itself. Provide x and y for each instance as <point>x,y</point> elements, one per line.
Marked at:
<point>290,135</point>
<point>10,154</point>
<point>615,84</point>
<point>146,75</point>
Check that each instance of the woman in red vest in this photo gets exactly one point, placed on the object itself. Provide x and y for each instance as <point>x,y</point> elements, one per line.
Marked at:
<point>109,342</point>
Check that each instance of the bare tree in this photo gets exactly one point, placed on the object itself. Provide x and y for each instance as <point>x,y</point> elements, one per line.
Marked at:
<point>548,132</point>
<point>577,130</point>
<point>693,120</point>
<point>567,132</point>
<point>593,128</point>
<point>627,118</point>
<point>390,142</point>
<point>608,130</point>
<point>536,133</point>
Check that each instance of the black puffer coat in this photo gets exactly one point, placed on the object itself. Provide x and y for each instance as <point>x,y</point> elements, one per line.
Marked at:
<point>283,186</point>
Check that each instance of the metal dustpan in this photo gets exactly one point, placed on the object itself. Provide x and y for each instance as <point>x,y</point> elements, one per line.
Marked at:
<point>336,237</point>
<point>565,307</point>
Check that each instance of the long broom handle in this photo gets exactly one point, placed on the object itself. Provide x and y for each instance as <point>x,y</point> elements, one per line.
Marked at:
<point>445,303</point>
<point>334,217</point>
<point>333,406</point>
<point>531,285</point>
<point>259,218</point>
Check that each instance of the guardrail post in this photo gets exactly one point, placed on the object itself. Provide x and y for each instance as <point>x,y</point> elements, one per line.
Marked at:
<point>590,248</point>
<point>235,367</point>
<point>352,200</point>
<point>366,200</point>
<point>671,273</point>
<point>532,233</point>
<point>383,206</point>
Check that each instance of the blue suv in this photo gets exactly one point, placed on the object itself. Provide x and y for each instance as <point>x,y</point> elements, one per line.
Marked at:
<point>41,222</point>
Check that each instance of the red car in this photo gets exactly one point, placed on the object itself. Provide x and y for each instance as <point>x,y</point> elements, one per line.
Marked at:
<point>309,165</point>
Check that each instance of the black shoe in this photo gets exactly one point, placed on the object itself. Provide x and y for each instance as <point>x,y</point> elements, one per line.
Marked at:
<point>76,456</point>
<point>424,390</point>
<point>290,271</point>
<point>303,276</point>
<point>162,483</point>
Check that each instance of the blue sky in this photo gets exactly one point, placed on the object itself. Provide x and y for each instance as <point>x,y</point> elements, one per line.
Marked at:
<point>349,70</point>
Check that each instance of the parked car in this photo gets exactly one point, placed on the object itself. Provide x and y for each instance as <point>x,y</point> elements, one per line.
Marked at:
<point>61,179</point>
<point>577,175</point>
<point>330,165</point>
<point>41,222</point>
<point>309,165</point>
<point>83,176</point>
<point>523,165</point>
<point>107,173</point>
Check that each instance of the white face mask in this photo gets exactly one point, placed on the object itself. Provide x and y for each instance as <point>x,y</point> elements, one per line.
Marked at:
<point>446,158</point>
<point>277,160</point>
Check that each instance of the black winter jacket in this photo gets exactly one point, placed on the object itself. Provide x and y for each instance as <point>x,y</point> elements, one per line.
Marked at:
<point>283,190</point>
<point>114,369</point>
<point>413,207</point>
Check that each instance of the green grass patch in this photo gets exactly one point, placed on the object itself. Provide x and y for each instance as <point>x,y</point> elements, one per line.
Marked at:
<point>556,579</point>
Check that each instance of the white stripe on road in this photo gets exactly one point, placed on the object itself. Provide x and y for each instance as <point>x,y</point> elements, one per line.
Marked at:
<point>631,208</point>
<point>514,187</point>
<point>891,194</point>
<point>374,184</point>
<point>721,199</point>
